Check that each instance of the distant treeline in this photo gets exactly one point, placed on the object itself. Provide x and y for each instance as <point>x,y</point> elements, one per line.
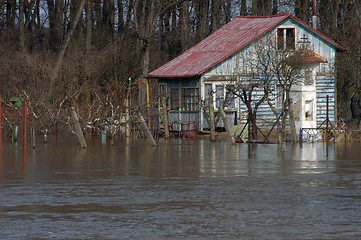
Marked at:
<point>113,41</point>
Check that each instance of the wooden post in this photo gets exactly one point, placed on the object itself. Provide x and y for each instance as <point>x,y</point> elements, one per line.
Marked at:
<point>292,121</point>
<point>127,118</point>
<point>211,118</point>
<point>145,128</point>
<point>249,119</point>
<point>148,103</point>
<point>165,118</point>
<point>78,130</point>
<point>25,114</point>
<point>56,132</point>
<point>1,124</point>
<point>327,120</point>
<point>45,136</point>
<point>127,105</point>
<point>226,125</point>
<point>33,137</point>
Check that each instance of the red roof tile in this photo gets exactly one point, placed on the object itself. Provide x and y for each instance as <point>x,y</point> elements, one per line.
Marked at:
<point>223,43</point>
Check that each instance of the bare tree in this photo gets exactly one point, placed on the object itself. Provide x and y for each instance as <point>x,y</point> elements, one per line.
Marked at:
<point>274,72</point>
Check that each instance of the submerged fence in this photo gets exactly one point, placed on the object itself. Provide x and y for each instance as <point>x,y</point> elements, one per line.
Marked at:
<point>329,135</point>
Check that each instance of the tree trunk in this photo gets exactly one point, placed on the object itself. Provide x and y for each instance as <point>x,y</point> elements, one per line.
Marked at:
<point>211,118</point>
<point>88,27</point>
<point>216,15</point>
<point>10,14</point>
<point>21,25</point>
<point>55,10</point>
<point>268,7</point>
<point>254,8</point>
<point>202,19</point>
<point>64,46</point>
<point>185,33</point>
<point>292,121</point>
<point>243,11</point>
<point>275,7</point>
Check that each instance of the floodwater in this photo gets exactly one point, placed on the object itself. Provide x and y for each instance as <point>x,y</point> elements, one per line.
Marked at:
<point>181,189</point>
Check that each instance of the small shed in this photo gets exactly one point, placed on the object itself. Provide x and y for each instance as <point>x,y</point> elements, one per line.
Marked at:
<point>218,62</point>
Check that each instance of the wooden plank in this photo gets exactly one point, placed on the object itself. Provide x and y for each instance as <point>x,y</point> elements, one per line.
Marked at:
<point>226,125</point>
<point>145,128</point>
<point>78,131</point>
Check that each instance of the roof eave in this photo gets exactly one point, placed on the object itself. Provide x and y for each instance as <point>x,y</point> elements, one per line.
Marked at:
<point>172,76</point>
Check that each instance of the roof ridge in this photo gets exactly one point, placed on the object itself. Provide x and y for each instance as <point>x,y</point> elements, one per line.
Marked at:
<point>266,16</point>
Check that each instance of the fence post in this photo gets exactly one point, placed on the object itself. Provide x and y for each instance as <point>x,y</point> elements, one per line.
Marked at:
<point>1,123</point>
<point>78,130</point>
<point>212,127</point>
<point>127,118</point>
<point>145,128</point>
<point>25,112</point>
<point>165,118</point>
<point>226,125</point>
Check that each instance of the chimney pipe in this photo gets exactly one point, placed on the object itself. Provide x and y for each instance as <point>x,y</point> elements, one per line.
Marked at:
<point>314,15</point>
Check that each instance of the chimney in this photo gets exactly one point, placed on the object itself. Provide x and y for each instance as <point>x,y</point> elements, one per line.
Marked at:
<point>314,15</point>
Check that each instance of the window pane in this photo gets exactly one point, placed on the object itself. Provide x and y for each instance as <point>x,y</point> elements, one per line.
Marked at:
<point>279,96</point>
<point>162,90</point>
<point>285,38</point>
<point>207,93</point>
<point>290,38</point>
<point>230,97</point>
<point>174,98</point>
<point>219,95</point>
<point>189,99</point>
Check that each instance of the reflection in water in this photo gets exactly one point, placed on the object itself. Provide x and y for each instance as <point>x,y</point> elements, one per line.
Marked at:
<point>180,189</point>
<point>177,157</point>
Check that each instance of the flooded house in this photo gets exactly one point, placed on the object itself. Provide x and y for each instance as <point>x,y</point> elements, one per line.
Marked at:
<point>230,58</point>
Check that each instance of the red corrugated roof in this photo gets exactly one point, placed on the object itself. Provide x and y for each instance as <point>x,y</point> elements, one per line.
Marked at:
<point>223,43</point>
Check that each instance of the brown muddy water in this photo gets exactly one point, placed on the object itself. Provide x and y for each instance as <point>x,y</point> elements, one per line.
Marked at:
<point>180,189</point>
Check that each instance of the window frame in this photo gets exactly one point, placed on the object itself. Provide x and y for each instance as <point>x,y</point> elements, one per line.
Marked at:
<point>174,98</point>
<point>162,89</point>
<point>283,38</point>
<point>279,96</point>
<point>189,99</point>
<point>220,97</point>
<point>229,96</point>
<point>209,87</point>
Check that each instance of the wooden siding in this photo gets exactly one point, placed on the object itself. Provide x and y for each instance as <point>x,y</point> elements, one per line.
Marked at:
<point>325,86</point>
<point>178,117</point>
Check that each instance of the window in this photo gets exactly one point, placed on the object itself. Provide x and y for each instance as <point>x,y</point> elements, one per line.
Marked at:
<point>189,99</point>
<point>207,93</point>
<point>174,98</point>
<point>279,96</point>
<point>162,90</point>
<point>230,97</point>
<point>309,77</point>
<point>309,110</point>
<point>286,38</point>
<point>219,96</point>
